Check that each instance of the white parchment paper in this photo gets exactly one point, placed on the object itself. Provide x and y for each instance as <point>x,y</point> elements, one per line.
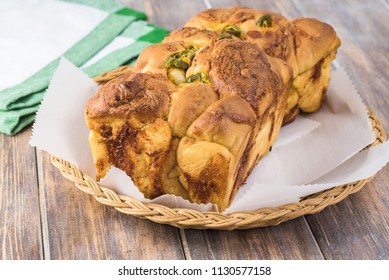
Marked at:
<point>316,152</point>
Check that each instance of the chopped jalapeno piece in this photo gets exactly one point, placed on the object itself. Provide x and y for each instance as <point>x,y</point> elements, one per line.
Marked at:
<point>181,60</point>
<point>200,76</point>
<point>233,29</point>
<point>173,62</point>
<point>265,21</point>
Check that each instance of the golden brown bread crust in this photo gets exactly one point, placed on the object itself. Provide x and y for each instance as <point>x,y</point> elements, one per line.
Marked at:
<point>307,45</point>
<point>195,139</point>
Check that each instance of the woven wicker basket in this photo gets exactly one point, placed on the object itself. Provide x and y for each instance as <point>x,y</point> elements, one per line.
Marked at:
<point>186,218</point>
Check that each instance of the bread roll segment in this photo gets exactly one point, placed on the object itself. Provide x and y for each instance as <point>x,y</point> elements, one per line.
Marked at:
<point>307,45</point>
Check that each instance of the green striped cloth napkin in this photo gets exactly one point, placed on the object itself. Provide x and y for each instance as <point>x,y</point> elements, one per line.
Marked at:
<point>116,40</point>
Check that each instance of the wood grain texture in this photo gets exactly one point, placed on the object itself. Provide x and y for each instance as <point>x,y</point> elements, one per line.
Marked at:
<point>358,227</point>
<point>290,240</point>
<point>20,227</point>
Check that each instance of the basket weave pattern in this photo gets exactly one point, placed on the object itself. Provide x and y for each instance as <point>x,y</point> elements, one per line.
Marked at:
<point>187,218</point>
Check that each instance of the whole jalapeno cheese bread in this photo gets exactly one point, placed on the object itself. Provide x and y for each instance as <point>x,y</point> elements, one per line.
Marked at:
<point>194,117</point>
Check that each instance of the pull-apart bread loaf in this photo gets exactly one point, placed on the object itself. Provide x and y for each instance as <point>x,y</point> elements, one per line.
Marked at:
<point>307,45</point>
<point>201,108</point>
<point>193,119</point>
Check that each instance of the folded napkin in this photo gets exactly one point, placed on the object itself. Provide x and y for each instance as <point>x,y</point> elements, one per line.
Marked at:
<point>95,35</point>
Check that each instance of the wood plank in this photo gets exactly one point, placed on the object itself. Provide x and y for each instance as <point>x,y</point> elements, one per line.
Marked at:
<point>20,230</point>
<point>358,227</point>
<point>290,240</point>
<point>79,227</point>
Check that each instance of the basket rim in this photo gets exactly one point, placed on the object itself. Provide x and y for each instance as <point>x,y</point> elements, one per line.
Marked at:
<point>188,218</point>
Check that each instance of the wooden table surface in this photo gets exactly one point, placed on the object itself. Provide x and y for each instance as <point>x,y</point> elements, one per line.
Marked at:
<point>43,216</point>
